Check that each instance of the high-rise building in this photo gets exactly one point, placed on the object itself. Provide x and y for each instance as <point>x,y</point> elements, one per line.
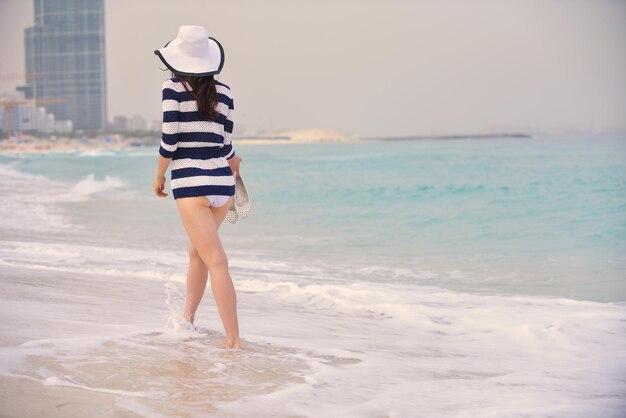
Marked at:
<point>65,51</point>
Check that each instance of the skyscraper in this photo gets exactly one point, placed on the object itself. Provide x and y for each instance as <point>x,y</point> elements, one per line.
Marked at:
<point>65,50</point>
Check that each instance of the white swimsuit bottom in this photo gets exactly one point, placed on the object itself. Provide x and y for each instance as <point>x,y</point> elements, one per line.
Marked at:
<point>217,200</point>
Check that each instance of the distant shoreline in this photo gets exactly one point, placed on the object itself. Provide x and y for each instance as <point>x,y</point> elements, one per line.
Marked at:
<point>457,136</point>
<point>64,144</point>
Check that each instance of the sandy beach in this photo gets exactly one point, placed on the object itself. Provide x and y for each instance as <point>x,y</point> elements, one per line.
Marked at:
<point>32,144</point>
<point>23,397</point>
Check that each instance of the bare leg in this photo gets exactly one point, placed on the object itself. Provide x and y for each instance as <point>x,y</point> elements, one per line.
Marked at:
<point>197,276</point>
<point>199,220</point>
<point>198,272</point>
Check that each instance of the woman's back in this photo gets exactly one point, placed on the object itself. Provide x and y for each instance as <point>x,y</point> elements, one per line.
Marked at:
<point>198,146</point>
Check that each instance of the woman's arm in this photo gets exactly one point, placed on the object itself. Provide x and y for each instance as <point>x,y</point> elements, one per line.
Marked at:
<point>159,181</point>
<point>171,120</point>
<point>162,166</point>
<point>228,150</point>
<point>169,135</point>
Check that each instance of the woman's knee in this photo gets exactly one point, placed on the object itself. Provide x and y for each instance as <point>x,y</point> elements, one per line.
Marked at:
<point>217,260</point>
<point>194,255</point>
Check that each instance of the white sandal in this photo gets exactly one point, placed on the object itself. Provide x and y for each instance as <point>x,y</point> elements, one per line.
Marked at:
<point>242,198</point>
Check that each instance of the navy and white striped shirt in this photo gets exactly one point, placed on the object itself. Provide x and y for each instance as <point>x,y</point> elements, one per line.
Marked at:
<point>198,146</point>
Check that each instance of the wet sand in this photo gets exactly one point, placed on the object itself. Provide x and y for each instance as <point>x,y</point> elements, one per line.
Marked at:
<point>23,397</point>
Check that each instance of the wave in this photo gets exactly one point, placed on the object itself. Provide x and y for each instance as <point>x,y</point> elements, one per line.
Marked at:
<point>366,348</point>
<point>96,152</point>
<point>90,185</point>
<point>413,303</point>
<point>28,201</point>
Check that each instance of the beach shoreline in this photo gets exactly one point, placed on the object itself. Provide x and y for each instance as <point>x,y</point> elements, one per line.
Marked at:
<point>28,397</point>
<point>30,144</point>
<point>62,145</point>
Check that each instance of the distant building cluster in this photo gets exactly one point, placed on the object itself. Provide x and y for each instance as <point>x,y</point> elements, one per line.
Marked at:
<point>135,123</point>
<point>30,117</point>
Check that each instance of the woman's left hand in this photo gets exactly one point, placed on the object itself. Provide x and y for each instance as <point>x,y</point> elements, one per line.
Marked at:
<point>234,164</point>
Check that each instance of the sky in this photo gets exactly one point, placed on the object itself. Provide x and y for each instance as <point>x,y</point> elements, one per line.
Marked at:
<point>374,67</point>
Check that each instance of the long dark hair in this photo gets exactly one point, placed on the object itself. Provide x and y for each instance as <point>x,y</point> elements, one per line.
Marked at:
<point>204,91</point>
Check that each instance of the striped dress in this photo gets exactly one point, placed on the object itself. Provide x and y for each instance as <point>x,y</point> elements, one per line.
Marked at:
<point>199,147</point>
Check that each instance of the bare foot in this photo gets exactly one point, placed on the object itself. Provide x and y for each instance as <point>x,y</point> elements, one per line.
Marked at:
<point>232,345</point>
<point>189,318</point>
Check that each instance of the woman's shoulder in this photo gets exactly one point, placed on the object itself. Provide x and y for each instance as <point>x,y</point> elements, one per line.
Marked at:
<point>224,89</point>
<point>171,83</point>
<point>170,89</point>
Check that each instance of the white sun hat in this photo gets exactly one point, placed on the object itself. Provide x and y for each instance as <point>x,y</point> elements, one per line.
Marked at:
<point>193,53</point>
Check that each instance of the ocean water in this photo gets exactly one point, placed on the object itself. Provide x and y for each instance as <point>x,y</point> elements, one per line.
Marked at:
<point>475,277</point>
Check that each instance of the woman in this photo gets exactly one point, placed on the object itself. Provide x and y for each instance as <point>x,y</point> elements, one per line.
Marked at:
<point>196,138</point>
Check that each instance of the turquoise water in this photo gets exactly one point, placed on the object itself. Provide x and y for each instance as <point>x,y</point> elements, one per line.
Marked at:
<point>426,278</point>
<point>543,216</point>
